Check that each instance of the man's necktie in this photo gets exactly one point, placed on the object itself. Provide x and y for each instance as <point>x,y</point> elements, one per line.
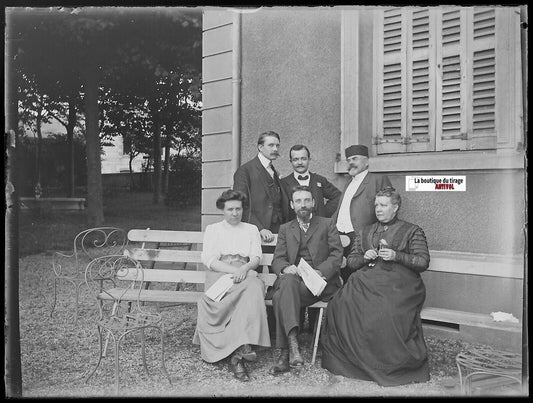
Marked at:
<point>303,178</point>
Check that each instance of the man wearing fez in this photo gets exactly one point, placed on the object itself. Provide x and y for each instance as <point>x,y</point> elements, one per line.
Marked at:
<point>356,208</point>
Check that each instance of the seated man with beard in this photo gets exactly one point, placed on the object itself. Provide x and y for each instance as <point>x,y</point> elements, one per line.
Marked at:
<point>316,240</point>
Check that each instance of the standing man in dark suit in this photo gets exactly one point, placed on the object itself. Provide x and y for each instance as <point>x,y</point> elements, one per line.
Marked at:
<point>268,202</point>
<point>356,208</point>
<point>316,240</point>
<point>321,188</point>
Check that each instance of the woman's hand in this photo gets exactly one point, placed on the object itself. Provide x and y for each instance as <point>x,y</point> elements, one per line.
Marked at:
<point>371,254</point>
<point>387,254</point>
<point>266,235</point>
<point>240,274</point>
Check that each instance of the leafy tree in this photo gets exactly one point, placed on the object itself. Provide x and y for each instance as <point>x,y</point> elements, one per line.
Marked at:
<point>74,53</point>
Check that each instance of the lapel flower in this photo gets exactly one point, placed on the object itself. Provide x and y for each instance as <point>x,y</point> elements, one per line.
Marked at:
<point>319,184</point>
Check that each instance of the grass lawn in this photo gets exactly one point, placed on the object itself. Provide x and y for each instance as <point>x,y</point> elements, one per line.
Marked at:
<point>56,353</point>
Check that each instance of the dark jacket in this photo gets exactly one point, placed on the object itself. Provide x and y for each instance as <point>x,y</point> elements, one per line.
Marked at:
<point>323,243</point>
<point>321,189</point>
<point>253,179</point>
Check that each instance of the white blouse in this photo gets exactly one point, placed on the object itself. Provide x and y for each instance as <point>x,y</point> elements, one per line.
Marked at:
<point>222,238</point>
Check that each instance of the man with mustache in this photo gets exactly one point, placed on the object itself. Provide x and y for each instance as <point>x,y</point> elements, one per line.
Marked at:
<point>268,202</point>
<point>316,240</point>
<point>325,194</point>
<point>356,208</point>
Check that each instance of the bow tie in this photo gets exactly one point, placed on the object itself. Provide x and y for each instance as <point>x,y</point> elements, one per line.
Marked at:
<point>303,178</point>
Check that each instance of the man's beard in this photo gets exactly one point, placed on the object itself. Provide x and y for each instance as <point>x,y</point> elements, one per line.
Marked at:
<point>304,214</point>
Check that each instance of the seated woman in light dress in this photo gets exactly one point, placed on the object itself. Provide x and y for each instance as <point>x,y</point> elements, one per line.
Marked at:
<point>373,325</point>
<point>228,328</point>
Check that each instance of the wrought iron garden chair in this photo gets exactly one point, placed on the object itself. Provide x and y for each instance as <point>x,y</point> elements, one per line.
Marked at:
<point>109,279</point>
<point>88,244</point>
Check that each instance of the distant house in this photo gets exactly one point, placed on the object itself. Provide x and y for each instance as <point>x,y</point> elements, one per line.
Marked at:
<point>431,91</point>
<point>115,158</point>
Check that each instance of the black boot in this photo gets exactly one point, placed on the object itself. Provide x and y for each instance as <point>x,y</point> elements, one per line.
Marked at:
<point>247,353</point>
<point>238,368</point>
<point>295,359</point>
<point>282,364</point>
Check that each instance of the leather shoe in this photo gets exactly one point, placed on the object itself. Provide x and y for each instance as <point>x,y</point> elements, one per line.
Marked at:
<point>239,370</point>
<point>282,364</point>
<point>295,359</point>
<point>247,353</point>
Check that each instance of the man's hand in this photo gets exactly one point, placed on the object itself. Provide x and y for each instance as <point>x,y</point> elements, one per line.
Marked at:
<point>292,269</point>
<point>320,273</point>
<point>387,254</point>
<point>266,235</point>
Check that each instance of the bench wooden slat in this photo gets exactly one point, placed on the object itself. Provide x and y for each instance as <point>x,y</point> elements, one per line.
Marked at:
<point>166,255</point>
<point>164,276</point>
<point>152,295</point>
<point>167,236</point>
<point>143,235</point>
<point>179,256</point>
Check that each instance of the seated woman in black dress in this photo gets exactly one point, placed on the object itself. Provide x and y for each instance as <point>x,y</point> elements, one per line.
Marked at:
<point>373,325</point>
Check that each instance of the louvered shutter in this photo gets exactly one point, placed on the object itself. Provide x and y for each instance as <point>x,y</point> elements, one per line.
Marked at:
<point>406,96</point>
<point>420,100</point>
<point>452,84</point>
<point>467,90</point>
<point>391,88</point>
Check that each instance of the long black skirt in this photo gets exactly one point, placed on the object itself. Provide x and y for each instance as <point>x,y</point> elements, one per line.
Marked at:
<point>373,327</point>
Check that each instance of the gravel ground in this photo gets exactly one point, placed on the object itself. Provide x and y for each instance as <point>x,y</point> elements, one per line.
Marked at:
<point>57,355</point>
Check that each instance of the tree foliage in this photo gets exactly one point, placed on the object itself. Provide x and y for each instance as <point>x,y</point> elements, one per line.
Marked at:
<point>136,69</point>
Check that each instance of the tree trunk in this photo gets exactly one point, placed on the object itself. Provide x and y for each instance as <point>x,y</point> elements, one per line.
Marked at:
<point>166,165</point>
<point>130,163</point>
<point>157,160</point>
<point>38,146</point>
<point>95,208</point>
<point>70,177</point>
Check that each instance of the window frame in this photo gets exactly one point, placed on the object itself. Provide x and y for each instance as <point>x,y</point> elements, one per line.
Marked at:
<point>508,153</point>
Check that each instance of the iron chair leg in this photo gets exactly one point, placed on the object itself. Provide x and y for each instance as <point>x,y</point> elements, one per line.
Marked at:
<point>163,366</point>
<point>55,297</point>
<point>100,355</point>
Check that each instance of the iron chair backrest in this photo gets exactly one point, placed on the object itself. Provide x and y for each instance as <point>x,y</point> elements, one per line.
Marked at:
<point>87,245</point>
<point>109,273</point>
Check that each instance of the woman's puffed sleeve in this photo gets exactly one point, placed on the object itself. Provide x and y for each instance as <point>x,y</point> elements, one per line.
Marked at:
<point>418,257</point>
<point>210,251</point>
<point>255,243</point>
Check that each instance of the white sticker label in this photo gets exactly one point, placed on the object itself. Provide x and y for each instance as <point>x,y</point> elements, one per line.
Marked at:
<point>435,183</point>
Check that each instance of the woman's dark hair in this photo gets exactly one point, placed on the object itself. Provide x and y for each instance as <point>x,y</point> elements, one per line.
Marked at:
<point>228,195</point>
<point>390,192</point>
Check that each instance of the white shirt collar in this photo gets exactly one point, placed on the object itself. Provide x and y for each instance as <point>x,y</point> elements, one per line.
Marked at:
<point>301,222</point>
<point>264,160</point>
<point>296,174</point>
<point>360,176</point>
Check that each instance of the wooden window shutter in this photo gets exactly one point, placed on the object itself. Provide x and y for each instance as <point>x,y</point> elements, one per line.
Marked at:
<point>391,89</point>
<point>420,100</point>
<point>466,97</point>
<point>483,97</point>
<point>451,130</point>
<point>405,120</point>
